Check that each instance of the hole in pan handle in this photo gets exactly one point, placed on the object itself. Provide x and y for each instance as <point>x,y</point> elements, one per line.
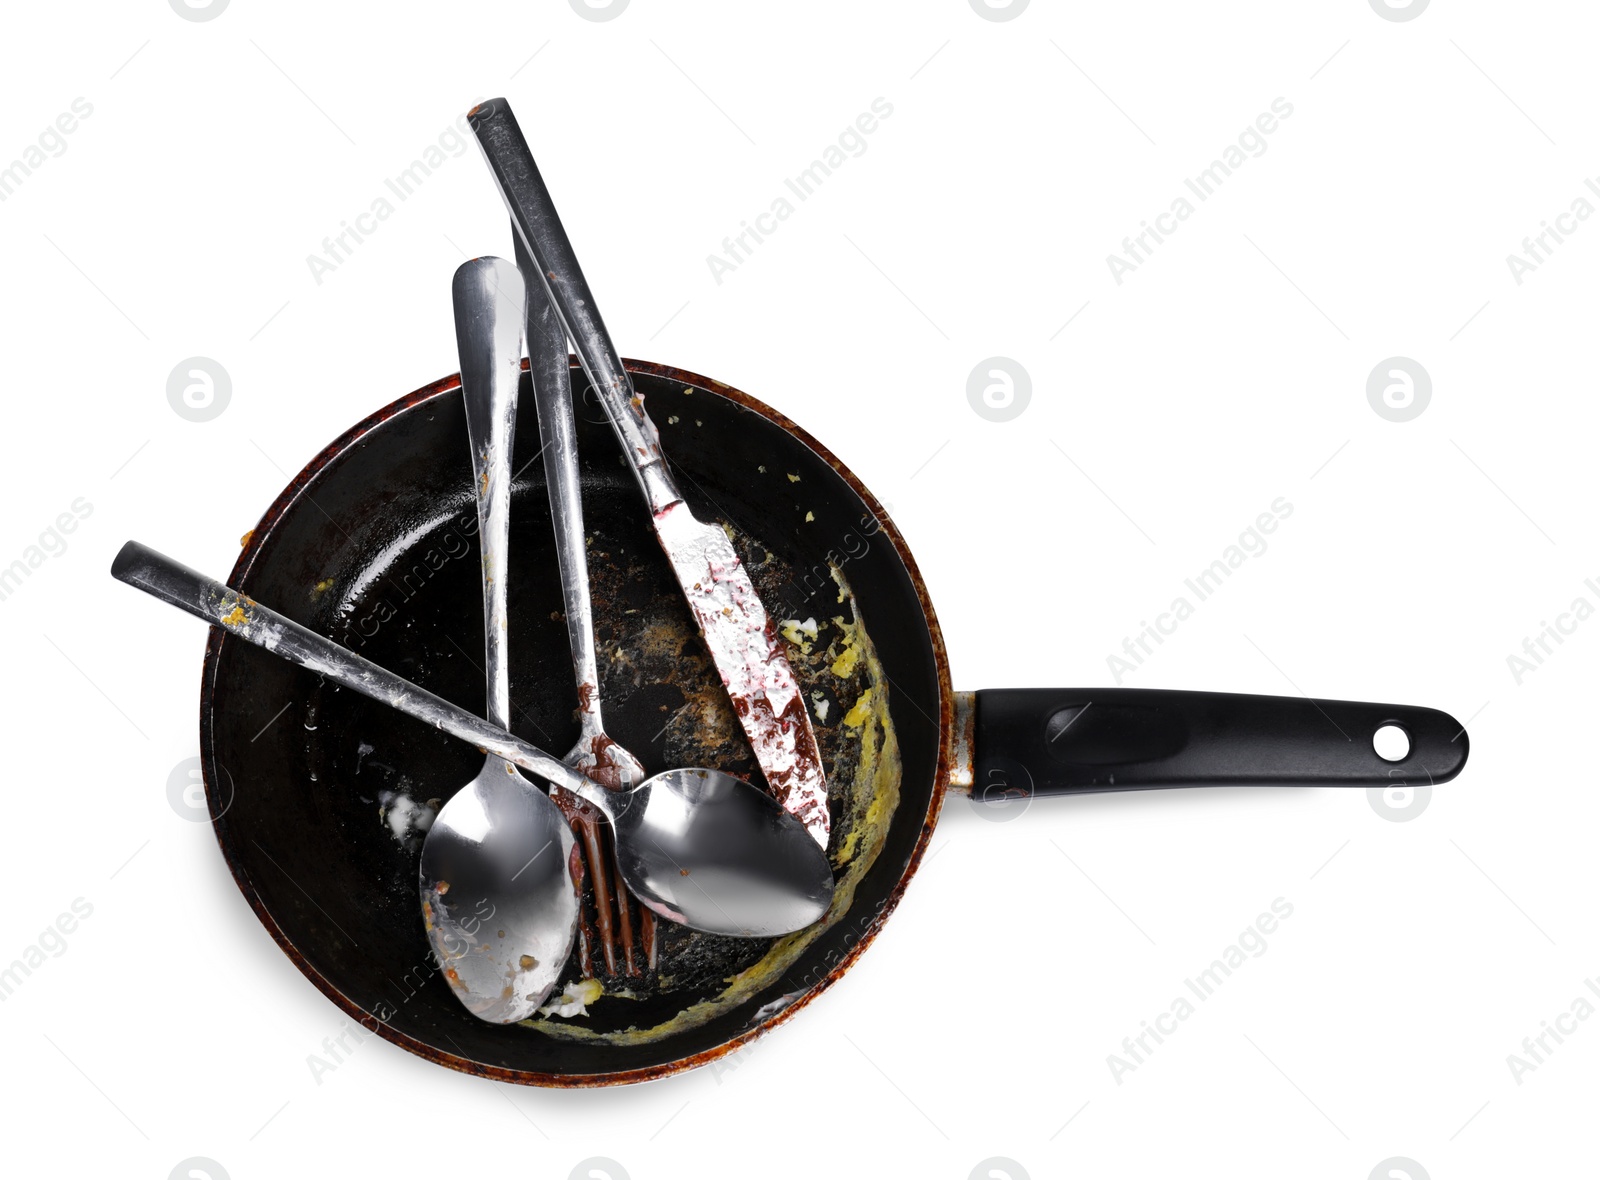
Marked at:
<point>1067,741</point>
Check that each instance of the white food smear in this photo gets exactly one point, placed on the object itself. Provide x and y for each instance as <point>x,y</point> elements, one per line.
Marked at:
<point>574,999</point>
<point>821,703</point>
<point>405,816</point>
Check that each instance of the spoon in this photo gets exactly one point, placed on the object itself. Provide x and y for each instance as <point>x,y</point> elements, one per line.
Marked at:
<point>501,924</point>
<point>698,847</point>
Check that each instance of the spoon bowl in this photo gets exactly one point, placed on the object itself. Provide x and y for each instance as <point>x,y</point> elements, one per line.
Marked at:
<point>707,849</point>
<point>497,896</point>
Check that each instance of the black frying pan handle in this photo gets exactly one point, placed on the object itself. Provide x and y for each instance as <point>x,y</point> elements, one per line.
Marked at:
<point>1067,741</point>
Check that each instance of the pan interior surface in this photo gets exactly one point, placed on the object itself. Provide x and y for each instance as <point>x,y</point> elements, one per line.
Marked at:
<point>375,545</point>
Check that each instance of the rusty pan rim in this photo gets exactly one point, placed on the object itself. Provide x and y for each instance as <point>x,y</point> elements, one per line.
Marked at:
<point>252,547</point>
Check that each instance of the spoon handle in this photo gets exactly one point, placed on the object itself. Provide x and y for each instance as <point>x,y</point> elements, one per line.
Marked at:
<point>177,585</point>
<point>488,297</point>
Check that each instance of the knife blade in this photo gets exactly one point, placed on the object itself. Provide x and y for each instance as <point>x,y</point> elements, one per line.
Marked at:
<point>740,636</point>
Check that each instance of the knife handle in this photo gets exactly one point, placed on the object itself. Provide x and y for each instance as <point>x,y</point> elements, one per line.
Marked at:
<point>533,214</point>
<point>1066,741</point>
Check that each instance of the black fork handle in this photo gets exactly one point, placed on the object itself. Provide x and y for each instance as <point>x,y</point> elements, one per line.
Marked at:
<point>1066,741</point>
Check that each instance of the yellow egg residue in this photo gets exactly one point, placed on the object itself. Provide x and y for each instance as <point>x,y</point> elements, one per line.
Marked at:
<point>873,796</point>
<point>800,632</point>
<point>860,711</point>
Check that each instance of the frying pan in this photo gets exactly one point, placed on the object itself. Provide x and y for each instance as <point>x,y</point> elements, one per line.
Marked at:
<point>317,795</point>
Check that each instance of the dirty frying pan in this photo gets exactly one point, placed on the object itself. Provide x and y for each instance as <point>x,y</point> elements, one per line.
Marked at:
<point>319,796</point>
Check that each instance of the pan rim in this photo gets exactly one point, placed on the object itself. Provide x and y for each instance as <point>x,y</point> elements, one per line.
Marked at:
<point>251,550</point>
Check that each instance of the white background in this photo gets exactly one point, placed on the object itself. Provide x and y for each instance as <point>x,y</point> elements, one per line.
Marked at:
<point>1228,370</point>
